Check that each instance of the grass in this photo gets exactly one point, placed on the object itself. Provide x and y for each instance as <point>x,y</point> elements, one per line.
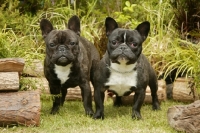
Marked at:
<point>71,119</point>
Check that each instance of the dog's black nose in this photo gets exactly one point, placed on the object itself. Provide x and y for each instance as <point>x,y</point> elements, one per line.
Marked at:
<point>62,48</point>
<point>123,47</point>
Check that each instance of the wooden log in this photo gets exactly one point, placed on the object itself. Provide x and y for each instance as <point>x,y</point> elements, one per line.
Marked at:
<point>34,68</point>
<point>36,83</point>
<point>128,100</point>
<point>75,93</point>
<point>41,84</point>
<point>21,108</point>
<point>185,117</point>
<point>184,90</point>
<point>9,81</point>
<point>11,65</point>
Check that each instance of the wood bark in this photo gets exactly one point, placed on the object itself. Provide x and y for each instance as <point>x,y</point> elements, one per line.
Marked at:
<point>11,65</point>
<point>128,100</point>
<point>184,90</point>
<point>34,69</point>
<point>41,84</point>
<point>21,108</point>
<point>185,117</point>
<point>9,81</point>
<point>75,93</point>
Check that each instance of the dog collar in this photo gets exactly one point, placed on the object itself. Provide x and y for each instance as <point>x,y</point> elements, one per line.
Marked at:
<point>110,68</point>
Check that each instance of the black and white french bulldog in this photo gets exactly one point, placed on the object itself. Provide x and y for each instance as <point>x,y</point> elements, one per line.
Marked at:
<point>124,69</point>
<point>68,62</point>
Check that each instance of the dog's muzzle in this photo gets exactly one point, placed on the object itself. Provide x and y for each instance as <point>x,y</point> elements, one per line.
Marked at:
<point>62,49</point>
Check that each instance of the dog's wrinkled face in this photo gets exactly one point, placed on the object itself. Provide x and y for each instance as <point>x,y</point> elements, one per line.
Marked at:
<point>124,45</point>
<point>62,46</point>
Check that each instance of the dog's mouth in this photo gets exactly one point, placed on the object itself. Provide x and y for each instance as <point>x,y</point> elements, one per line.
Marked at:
<point>63,61</point>
<point>122,58</point>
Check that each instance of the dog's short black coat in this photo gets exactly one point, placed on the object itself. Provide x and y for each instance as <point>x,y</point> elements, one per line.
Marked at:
<point>124,69</point>
<point>68,62</point>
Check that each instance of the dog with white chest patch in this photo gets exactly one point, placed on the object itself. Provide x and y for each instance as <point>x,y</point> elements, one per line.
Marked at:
<point>68,62</point>
<point>124,69</point>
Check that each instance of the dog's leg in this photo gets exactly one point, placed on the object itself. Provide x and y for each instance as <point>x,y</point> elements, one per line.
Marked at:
<point>154,87</point>
<point>87,98</point>
<point>64,93</point>
<point>99,101</point>
<point>118,101</point>
<point>55,91</point>
<point>137,104</point>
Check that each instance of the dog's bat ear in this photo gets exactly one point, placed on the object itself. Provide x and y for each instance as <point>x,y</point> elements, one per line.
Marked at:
<point>46,27</point>
<point>74,24</point>
<point>110,25</point>
<point>143,29</point>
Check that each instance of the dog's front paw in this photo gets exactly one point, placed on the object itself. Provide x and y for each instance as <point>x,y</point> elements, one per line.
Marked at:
<point>54,110</point>
<point>136,115</point>
<point>89,112</point>
<point>118,102</point>
<point>156,106</point>
<point>98,115</point>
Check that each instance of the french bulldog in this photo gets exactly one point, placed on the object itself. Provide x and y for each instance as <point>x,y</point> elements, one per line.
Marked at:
<point>124,69</point>
<point>68,62</point>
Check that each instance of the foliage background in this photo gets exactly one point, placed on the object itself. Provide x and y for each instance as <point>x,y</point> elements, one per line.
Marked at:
<point>21,36</point>
<point>172,44</point>
<point>168,46</point>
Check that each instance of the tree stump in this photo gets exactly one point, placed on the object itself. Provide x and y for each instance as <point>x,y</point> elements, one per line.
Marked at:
<point>9,81</point>
<point>11,65</point>
<point>185,117</point>
<point>21,108</point>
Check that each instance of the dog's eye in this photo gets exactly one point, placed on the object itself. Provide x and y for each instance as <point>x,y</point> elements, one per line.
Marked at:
<point>114,42</point>
<point>72,43</point>
<point>133,44</point>
<point>52,44</point>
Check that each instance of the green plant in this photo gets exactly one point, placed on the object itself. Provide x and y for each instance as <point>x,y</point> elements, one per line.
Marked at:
<point>4,45</point>
<point>185,59</point>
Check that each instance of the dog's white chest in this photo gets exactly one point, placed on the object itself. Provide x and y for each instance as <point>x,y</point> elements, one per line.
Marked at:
<point>63,72</point>
<point>122,79</point>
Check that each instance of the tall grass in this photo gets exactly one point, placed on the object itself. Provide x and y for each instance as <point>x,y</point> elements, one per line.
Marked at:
<point>166,50</point>
<point>21,37</point>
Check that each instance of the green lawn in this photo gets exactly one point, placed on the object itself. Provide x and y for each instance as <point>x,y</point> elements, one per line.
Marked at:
<point>71,119</point>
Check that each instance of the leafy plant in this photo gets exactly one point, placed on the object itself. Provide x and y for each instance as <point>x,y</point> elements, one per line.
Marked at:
<point>21,36</point>
<point>185,59</point>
